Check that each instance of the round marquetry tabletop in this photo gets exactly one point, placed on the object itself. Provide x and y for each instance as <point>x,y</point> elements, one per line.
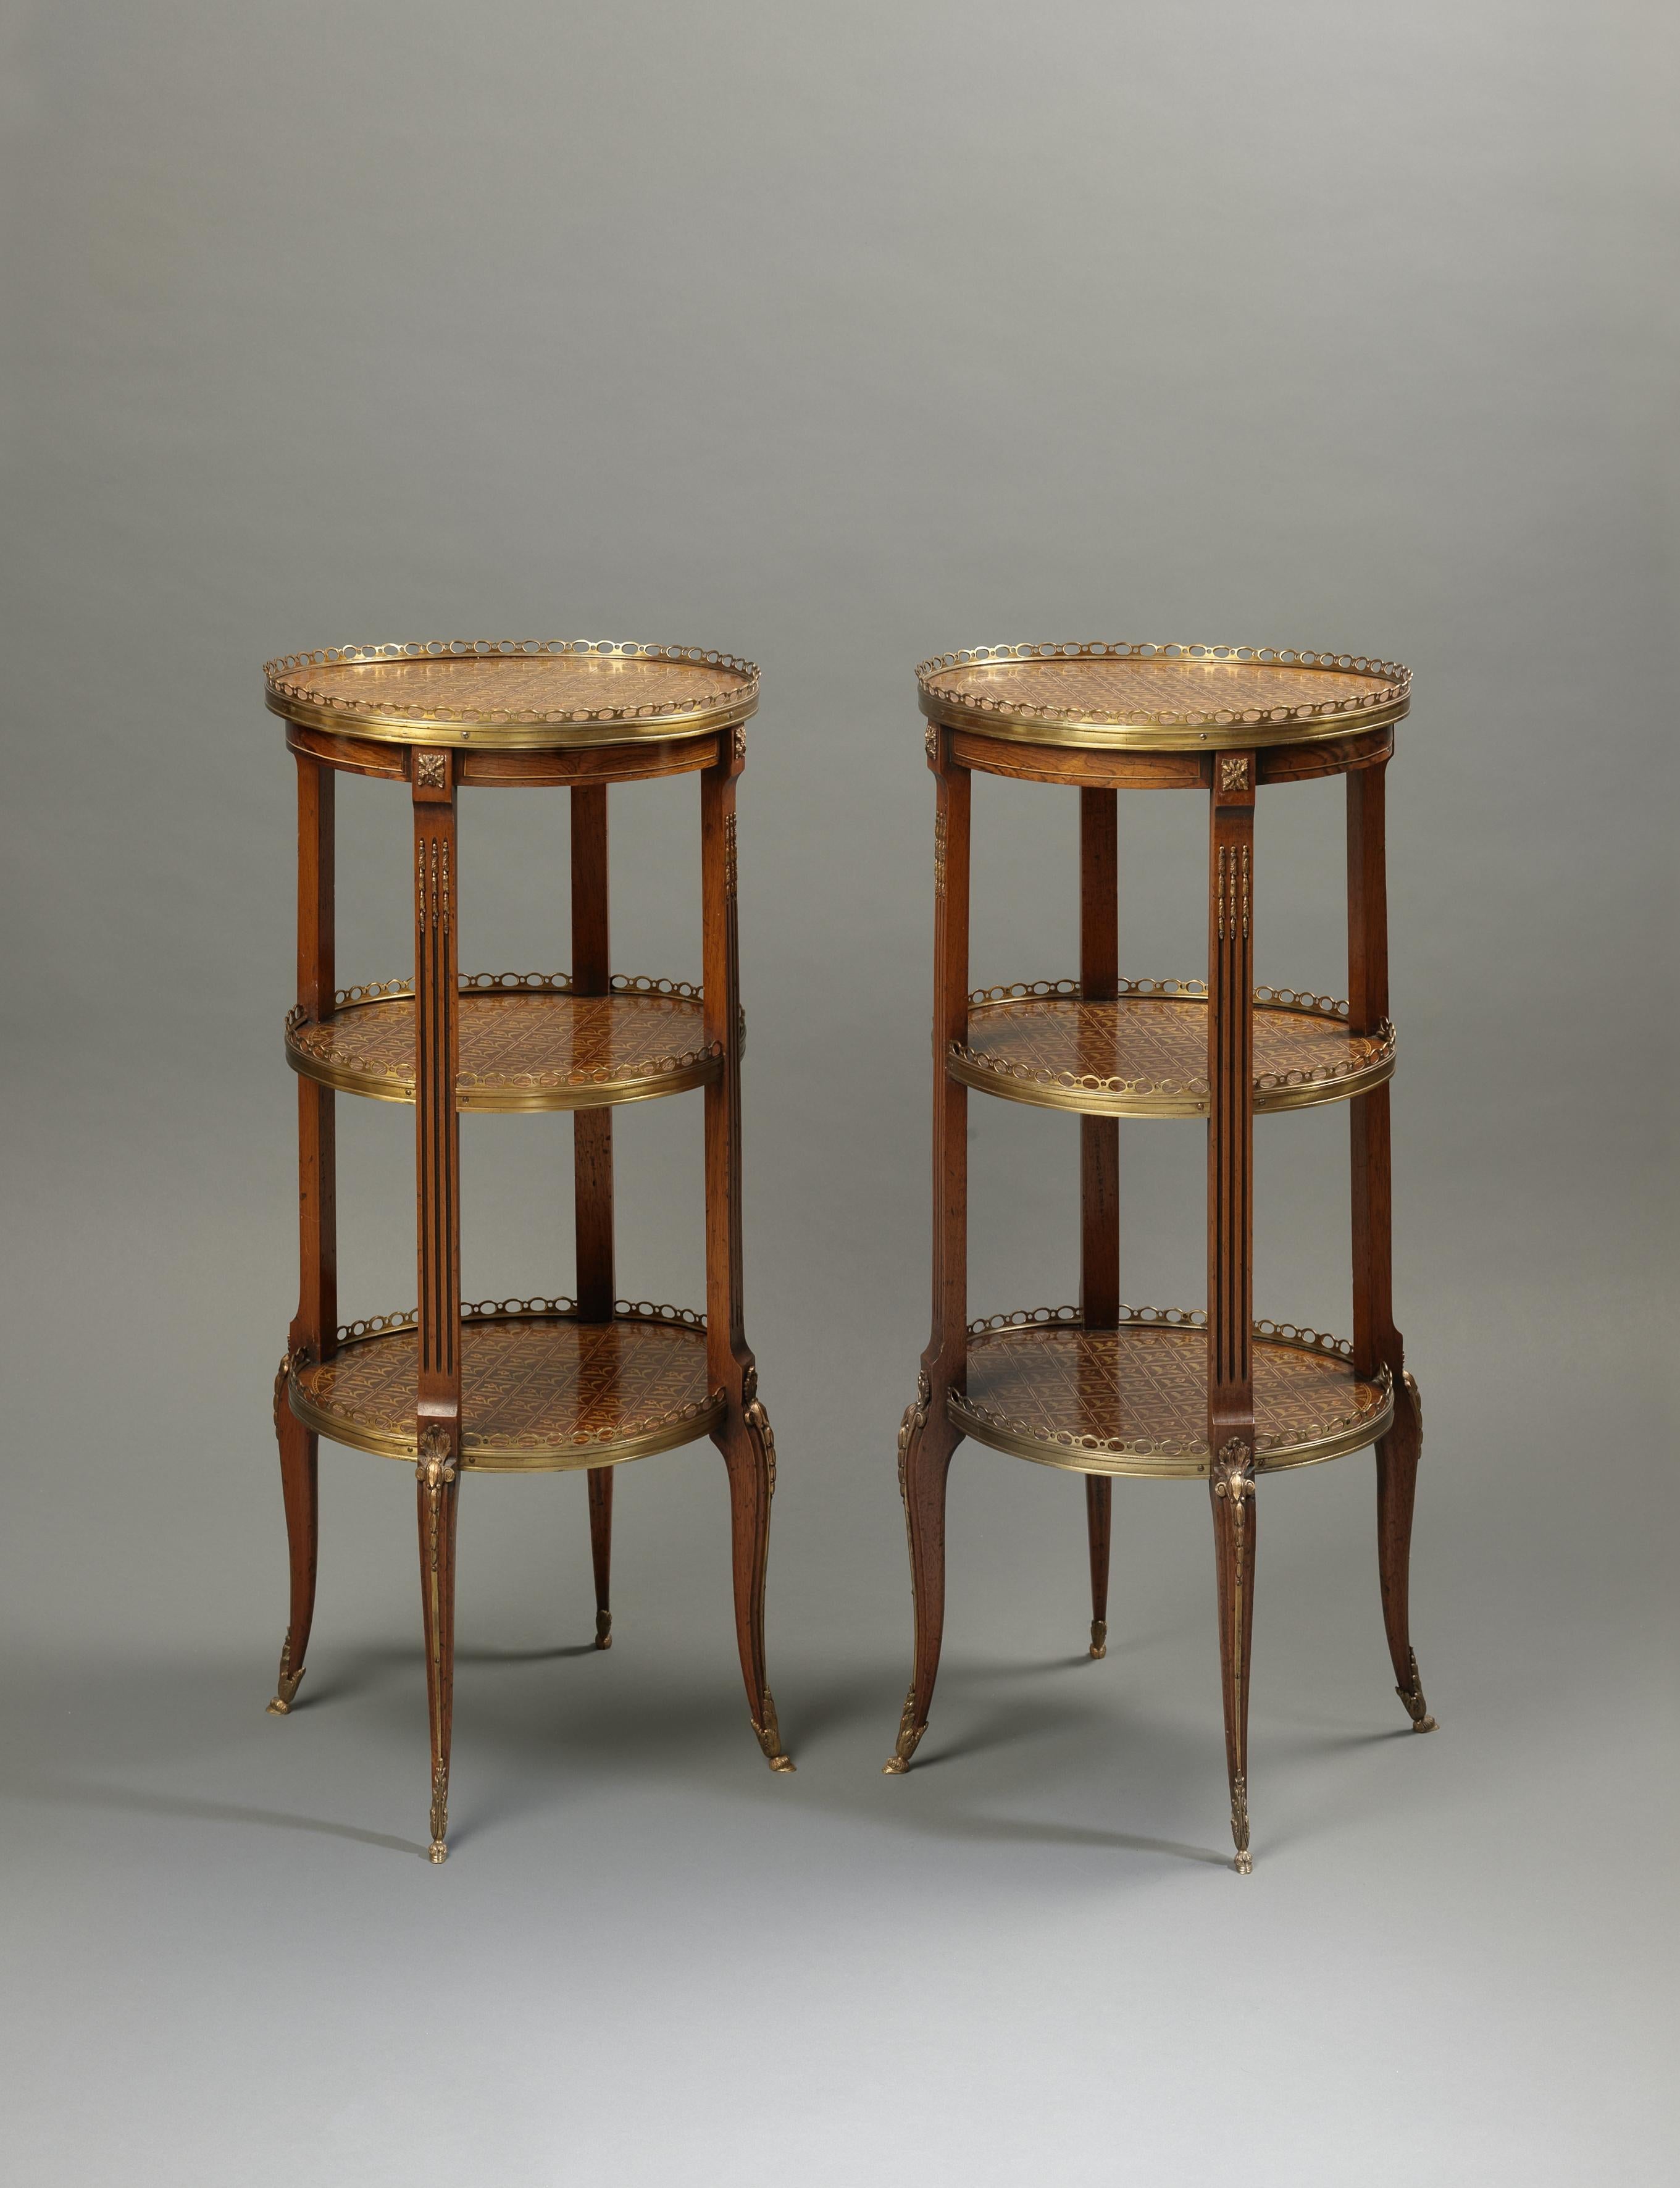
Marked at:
<point>1139,698</point>
<point>512,694</point>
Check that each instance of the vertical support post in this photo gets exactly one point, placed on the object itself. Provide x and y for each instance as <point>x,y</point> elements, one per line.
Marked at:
<point>592,1148</point>
<point>592,1128</point>
<point>744,1435</point>
<point>1099,1151</point>
<point>925,1438</point>
<point>1377,1344</point>
<point>1231,1125</point>
<point>946,1358</point>
<point>437,1123</point>
<point>314,1328</point>
<point>437,1176</point>
<point>314,1335</point>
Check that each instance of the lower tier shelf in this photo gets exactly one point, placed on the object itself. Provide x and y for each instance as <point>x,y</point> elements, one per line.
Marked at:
<point>1133,1400</point>
<point>1146,1053</point>
<point>539,1389</point>
<point>525,1041</point>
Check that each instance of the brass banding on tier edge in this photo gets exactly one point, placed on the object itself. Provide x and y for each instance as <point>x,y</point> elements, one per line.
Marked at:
<point>1135,695</point>
<point>541,1389</point>
<point>504,1063</point>
<point>1022,1037</point>
<point>1058,1408</point>
<point>513,694</point>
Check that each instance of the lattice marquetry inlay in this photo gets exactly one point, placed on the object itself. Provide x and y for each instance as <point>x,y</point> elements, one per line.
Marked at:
<point>530,1385</point>
<point>528,1036</point>
<point>492,681</point>
<point>1154,1041</point>
<point>1133,682</point>
<point>1143,1388</point>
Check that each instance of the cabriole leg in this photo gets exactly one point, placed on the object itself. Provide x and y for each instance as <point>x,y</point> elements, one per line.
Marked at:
<point>926,1443</point>
<point>1377,1344</point>
<point>925,1438</point>
<point>1397,1456</point>
<point>314,1335</point>
<point>299,1480</point>
<point>748,1447</point>
<point>743,1435</point>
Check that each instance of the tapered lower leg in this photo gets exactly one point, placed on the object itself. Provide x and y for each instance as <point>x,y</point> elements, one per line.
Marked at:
<point>926,1443</point>
<point>438,1488</point>
<point>1099,1498</point>
<point>299,1480</point>
<point>749,1452</point>
<point>1232,1486</point>
<point>601,1550</point>
<point>1397,1456</point>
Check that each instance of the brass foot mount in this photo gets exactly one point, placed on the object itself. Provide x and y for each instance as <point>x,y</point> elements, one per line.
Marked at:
<point>603,1629</point>
<point>1412,1695</point>
<point>438,1850</point>
<point>286,1686</point>
<point>1245,1862</point>
<point>770,1736</point>
<point>910,1736</point>
<point>1099,1637</point>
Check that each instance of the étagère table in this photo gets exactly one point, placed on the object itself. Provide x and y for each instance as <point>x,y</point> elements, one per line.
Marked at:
<point>536,1384</point>
<point>1102,1388</point>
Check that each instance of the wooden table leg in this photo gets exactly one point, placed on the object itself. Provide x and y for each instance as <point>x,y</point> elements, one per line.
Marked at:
<point>1230,1393</point>
<point>1376,1343</point>
<point>1099,1153</point>
<point>438,1157</point>
<point>743,1435</point>
<point>926,1437</point>
<point>592,1148</point>
<point>314,1330</point>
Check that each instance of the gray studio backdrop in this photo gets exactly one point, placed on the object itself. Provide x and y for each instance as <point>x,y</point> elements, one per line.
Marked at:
<point>836,336</point>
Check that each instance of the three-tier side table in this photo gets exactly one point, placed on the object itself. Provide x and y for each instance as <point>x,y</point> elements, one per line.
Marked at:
<point>516,1385</point>
<point>1102,1388</point>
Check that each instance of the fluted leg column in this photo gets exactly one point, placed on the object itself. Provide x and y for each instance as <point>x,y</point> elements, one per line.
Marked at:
<point>1099,1152</point>
<point>592,1148</point>
<point>1231,1129</point>
<point>438,1164</point>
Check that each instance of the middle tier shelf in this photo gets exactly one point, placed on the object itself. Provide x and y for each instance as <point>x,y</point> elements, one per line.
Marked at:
<point>540,1389</point>
<point>526,1042</point>
<point>1134,1398</point>
<point>1145,1054</point>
